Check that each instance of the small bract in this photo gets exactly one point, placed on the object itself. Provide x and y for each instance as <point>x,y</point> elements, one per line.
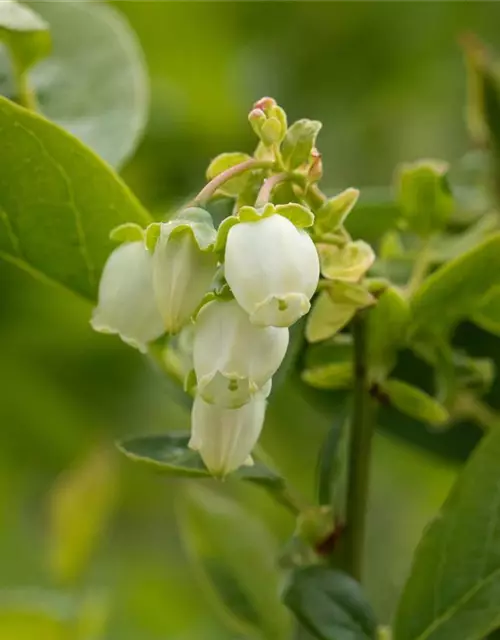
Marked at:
<point>183,269</point>
<point>273,270</point>
<point>233,358</point>
<point>127,304</point>
<point>223,437</point>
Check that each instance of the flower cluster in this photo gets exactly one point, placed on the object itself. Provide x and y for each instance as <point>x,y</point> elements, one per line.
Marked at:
<point>238,287</point>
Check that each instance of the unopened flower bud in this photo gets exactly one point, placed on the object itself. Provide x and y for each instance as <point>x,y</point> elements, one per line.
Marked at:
<point>224,437</point>
<point>233,359</point>
<point>127,304</point>
<point>265,103</point>
<point>315,172</point>
<point>273,270</point>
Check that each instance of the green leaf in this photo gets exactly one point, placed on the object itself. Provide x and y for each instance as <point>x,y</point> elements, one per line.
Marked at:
<point>170,454</point>
<point>424,196</point>
<point>234,555</point>
<point>387,324</point>
<point>415,402</point>
<point>76,532</point>
<point>298,214</point>
<point>25,33</point>
<point>350,293</point>
<point>94,83</point>
<point>487,315</point>
<point>445,247</point>
<point>299,142</point>
<point>57,210</point>
<point>348,263</point>
<point>223,162</point>
<point>327,318</point>
<point>329,365</point>
<point>330,604</point>
<point>454,586</point>
<point>335,211</point>
<point>375,214</point>
<point>454,291</point>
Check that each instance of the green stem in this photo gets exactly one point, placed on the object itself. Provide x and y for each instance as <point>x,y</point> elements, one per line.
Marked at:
<point>211,187</point>
<point>420,268</point>
<point>25,94</point>
<point>359,453</point>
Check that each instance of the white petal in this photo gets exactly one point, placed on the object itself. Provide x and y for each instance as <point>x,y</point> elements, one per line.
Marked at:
<point>272,264</point>
<point>182,274</point>
<point>127,304</point>
<point>232,357</point>
<point>225,437</point>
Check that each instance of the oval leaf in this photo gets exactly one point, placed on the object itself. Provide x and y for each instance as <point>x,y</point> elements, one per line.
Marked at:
<point>454,586</point>
<point>57,210</point>
<point>330,604</point>
<point>415,402</point>
<point>236,559</point>
<point>94,83</point>
<point>454,291</point>
<point>299,142</point>
<point>170,454</point>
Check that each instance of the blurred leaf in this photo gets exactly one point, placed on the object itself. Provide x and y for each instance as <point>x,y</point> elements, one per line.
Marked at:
<point>236,560</point>
<point>487,314</point>
<point>387,324</point>
<point>330,604</point>
<point>327,470</point>
<point>25,33</point>
<point>56,211</point>
<point>329,365</point>
<point>445,247</point>
<point>223,162</point>
<point>455,290</point>
<point>299,142</point>
<point>327,317</point>
<point>375,213</point>
<point>94,83</point>
<point>424,196</point>
<point>458,556</point>
<point>414,402</point>
<point>81,503</point>
<point>170,454</point>
<point>29,614</point>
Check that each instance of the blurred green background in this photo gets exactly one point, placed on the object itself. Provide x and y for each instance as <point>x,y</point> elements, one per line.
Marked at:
<point>387,80</point>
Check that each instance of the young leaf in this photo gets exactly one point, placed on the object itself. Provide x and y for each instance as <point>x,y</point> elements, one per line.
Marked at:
<point>454,586</point>
<point>223,162</point>
<point>327,317</point>
<point>57,210</point>
<point>387,324</point>
<point>454,291</point>
<point>415,402</point>
<point>235,558</point>
<point>299,142</point>
<point>95,69</point>
<point>335,211</point>
<point>330,604</point>
<point>170,454</point>
<point>425,197</point>
<point>25,33</point>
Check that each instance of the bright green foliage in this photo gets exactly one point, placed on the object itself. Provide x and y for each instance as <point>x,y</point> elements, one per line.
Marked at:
<point>454,291</point>
<point>327,317</point>
<point>95,69</point>
<point>299,141</point>
<point>487,314</point>
<point>56,212</point>
<point>298,214</point>
<point>330,604</point>
<point>25,33</point>
<point>223,162</point>
<point>414,402</point>
<point>424,196</point>
<point>235,558</point>
<point>329,365</point>
<point>454,587</point>
<point>387,324</point>
<point>335,211</point>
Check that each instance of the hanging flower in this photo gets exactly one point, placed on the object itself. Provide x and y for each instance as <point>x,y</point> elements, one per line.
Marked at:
<point>225,437</point>
<point>127,305</point>
<point>272,268</point>
<point>184,265</point>
<point>233,358</point>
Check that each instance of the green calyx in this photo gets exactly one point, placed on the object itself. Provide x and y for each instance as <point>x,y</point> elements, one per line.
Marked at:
<point>193,220</point>
<point>128,232</point>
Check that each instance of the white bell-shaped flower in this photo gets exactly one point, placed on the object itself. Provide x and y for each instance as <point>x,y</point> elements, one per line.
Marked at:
<point>223,437</point>
<point>233,358</point>
<point>272,268</point>
<point>127,304</point>
<point>182,273</point>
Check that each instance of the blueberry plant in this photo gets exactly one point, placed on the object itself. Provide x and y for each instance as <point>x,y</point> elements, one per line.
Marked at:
<point>282,284</point>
